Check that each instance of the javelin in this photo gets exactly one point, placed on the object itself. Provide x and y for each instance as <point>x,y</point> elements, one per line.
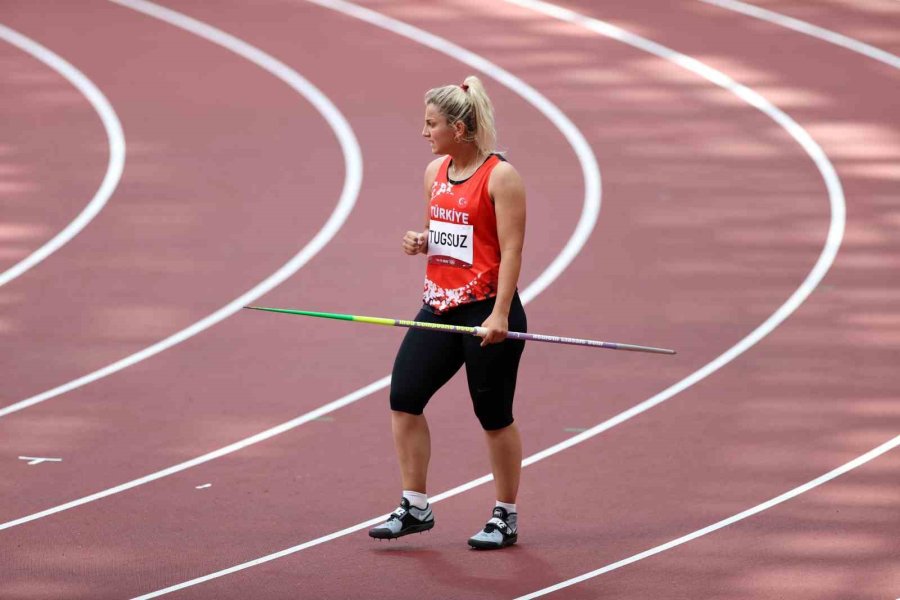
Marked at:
<point>476,331</point>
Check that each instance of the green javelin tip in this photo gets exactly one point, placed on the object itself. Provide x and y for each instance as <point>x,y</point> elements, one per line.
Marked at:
<point>307,313</point>
<point>327,315</point>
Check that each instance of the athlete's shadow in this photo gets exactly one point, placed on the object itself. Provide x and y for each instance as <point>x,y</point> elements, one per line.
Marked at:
<point>504,571</point>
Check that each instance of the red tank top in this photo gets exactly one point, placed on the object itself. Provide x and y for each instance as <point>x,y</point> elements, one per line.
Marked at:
<point>463,248</point>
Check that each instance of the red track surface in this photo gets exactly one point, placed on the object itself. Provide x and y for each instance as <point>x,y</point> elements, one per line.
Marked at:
<point>712,216</point>
<point>52,157</point>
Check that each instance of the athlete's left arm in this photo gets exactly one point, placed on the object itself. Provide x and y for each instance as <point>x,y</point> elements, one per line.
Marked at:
<point>508,192</point>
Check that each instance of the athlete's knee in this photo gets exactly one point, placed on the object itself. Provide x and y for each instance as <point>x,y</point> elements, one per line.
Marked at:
<point>492,423</point>
<point>493,411</point>
<point>407,401</point>
<point>503,431</point>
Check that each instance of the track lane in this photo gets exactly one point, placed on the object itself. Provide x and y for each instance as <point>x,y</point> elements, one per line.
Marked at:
<point>558,212</point>
<point>533,560</point>
<point>247,417</point>
<point>61,432</point>
<point>838,406</point>
<point>142,321</point>
<point>787,170</point>
<point>27,133</point>
<point>871,23</point>
<point>806,28</point>
<point>868,543</point>
<point>821,376</point>
<point>367,584</point>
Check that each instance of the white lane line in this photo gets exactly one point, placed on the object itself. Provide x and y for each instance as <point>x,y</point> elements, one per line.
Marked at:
<point>249,441</point>
<point>826,258</point>
<point>36,460</point>
<point>114,136</point>
<point>861,460</point>
<point>588,218</point>
<point>352,181</point>
<point>809,29</point>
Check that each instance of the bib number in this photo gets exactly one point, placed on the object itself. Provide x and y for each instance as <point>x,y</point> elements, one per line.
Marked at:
<point>450,244</point>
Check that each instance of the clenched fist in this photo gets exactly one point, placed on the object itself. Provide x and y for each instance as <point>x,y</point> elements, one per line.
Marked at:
<point>415,242</point>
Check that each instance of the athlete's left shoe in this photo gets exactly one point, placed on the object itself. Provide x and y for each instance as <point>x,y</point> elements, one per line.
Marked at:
<point>500,531</point>
<point>404,521</point>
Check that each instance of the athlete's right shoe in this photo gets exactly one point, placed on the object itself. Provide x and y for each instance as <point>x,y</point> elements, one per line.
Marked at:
<point>501,530</point>
<point>403,521</point>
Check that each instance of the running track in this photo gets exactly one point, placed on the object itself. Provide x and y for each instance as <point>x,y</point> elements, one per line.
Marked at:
<point>712,216</point>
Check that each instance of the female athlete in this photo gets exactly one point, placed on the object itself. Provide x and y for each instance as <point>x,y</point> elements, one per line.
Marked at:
<point>473,236</point>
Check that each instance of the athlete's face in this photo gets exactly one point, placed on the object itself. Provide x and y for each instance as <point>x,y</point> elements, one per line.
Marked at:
<point>437,131</point>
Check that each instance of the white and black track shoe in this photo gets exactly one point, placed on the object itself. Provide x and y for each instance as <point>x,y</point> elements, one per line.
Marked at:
<point>500,531</point>
<point>403,521</point>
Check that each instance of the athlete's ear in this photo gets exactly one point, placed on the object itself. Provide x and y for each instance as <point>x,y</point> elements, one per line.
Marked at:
<point>459,130</point>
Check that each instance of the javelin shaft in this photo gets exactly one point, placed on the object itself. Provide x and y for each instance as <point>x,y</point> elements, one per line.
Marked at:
<point>476,331</point>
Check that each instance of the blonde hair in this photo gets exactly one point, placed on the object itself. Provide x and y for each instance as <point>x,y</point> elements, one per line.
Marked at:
<point>470,104</point>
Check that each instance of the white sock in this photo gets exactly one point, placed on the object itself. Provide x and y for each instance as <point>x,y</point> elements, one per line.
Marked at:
<point>417,499</point>
<point>510,508</point>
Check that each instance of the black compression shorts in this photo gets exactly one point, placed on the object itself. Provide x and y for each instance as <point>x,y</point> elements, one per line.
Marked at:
<point>428,359</point>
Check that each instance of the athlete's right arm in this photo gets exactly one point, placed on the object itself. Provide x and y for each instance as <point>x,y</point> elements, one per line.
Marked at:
<point>416,242</point>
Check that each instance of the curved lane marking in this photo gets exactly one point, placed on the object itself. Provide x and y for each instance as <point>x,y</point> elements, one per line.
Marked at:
<point>114,136</point>
<point>856,462</point>
<point>826,258</point>
<point>351,187</point>
<point>587,220</point>
<point>809,29</point>
<point>866,50</point>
